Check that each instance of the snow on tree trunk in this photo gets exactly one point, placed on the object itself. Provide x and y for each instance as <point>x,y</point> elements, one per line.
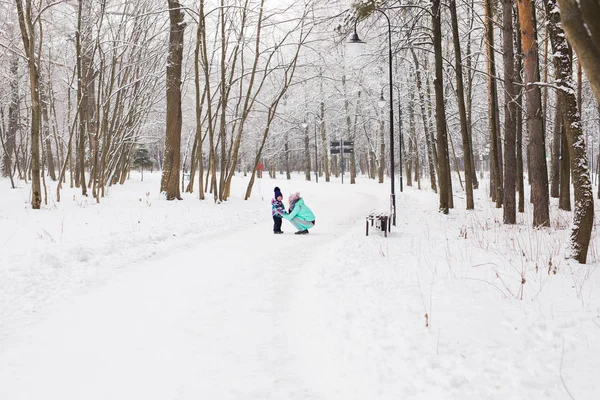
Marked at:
<point>28,36</point>
<point>579,19</point>
<point>170,176</point>
<point>495,149</point>
<point>440,113</point>
<point>583,217</point>
<point>466,140</point>
<point>428,144</point>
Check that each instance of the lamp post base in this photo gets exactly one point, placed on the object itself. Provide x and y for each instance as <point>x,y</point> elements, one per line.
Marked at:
<point>393,207</point>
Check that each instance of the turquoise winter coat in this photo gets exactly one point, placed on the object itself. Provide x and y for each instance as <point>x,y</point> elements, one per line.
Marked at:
<point>301,211</point>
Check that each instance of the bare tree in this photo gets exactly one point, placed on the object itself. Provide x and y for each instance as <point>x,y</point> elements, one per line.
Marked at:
<point>287,71</point>
<point>537,149</point>
<point>440,113</point>
<point>29,44</point>
<point>170,177</point>
<point>469,94</point>
<point>564,198</point>
<point>85,85</point>
<point>428,142</point>
<point>555,153</point>
<point>495,150</point>
<point>7,164</point>
<point>466,140</point>
<point>583,217</point>
<point>13,118</point>
<point>510,117</point>
<point>322,128</point>
<point>413,143</point>
<point>520,185</point>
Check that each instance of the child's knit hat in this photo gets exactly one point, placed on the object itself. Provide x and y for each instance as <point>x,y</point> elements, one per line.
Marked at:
<point>277,192</point>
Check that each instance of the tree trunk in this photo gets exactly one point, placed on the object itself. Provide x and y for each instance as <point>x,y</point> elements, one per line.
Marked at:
<point>306,155</point>
<point>288,174</point>
<point>430,117</point>
<point>13,117</point>
<point>456,167</point>
<point>348,119</point>
<point>555,155</point>
<point>224,92</point>
<point>579,19</point>
<point>470,91</point>
<point>598,159</point>
<point>583,217</point>
<point>538,169</point>
<point>28,36</point>
<point>440,113</point>
<point>510,114</point>
<point>170,177</point>
<point>414,154</point>
<point>92,126</point>
<point>464,130</point>
<point>46,131</point>
<point>84,76</point>
<point>426,132</point>
<point>323,133</point>
<point>409,155</point>
<point>211,165</point>
<point>495,169</point>
<point>519,104</point>
<point>564,200</point>
<point>8,165</point>
<point>193,163</point>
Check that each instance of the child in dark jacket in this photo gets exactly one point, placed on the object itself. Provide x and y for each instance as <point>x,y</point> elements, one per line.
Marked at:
<point>277,210</point>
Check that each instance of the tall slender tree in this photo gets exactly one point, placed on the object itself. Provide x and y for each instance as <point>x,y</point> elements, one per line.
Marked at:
<point>510,117</point>
<point>13,117</point>
<point>537,148</point>
<point>495,150</point>
<point>464,129</point>
<point>555,152</point>
<point>171,166</point>
<point>583,217</point>
<point>428,142</point>
<point>322,126</point>
<point>440,113</point>
<point>564,197</point>
<point>519,103</point>
<point>28,35</point>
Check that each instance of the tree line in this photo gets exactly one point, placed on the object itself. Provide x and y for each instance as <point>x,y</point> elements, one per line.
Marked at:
<point>210,89</point>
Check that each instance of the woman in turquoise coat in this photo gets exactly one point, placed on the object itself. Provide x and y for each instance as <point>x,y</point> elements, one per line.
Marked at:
<point>299,214</point>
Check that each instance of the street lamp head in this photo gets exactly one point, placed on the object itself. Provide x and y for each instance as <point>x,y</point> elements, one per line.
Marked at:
<point>381,102</point>
<point>304,124</point>
<point>355,46</point>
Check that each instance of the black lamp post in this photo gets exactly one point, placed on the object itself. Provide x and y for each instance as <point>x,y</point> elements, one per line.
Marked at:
<point>355,45</point>
<point>316,156</point>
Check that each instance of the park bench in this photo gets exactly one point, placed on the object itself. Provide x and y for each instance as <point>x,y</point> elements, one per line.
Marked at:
<point>381,220</point>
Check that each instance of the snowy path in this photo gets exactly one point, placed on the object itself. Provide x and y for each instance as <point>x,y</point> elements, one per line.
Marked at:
<point>139,298</point>
<point>175,328</point>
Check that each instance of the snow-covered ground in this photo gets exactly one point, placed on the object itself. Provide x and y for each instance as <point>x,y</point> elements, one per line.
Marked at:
<point>140,298</point>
